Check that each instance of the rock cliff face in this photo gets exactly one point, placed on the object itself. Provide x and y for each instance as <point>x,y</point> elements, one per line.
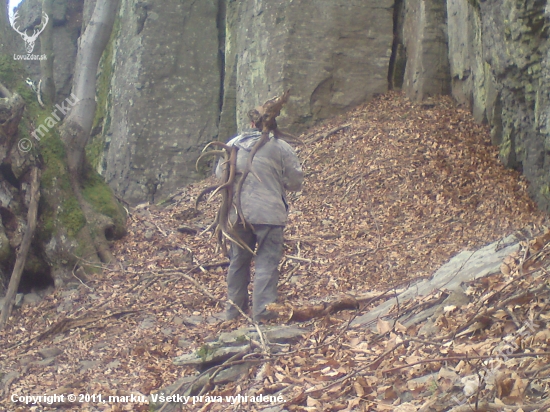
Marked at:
<point>185,73</point>
<point>6,33</point>
<point>164,96</point>
<point>333,55</point>
<point>180,73</point>
<point>499,52</point>
<point>425,42</point>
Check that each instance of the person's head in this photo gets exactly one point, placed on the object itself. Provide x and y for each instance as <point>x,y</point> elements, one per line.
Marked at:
<point>255,118</point>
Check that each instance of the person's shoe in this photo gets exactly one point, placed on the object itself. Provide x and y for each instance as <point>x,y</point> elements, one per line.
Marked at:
<point>266,316</point>
<point>232,313</point>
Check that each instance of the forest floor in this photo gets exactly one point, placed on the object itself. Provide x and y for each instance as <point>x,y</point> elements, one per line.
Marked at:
<point>388,198</point>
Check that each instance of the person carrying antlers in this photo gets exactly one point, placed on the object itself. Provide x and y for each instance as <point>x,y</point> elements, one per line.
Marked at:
<point>261,198</point>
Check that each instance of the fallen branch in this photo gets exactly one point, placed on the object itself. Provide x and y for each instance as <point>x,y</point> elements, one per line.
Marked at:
<point>301,259</point>
<point>305,313</point>
<point>24,248</point>
<point>480,317</point>
<point>70,323</point>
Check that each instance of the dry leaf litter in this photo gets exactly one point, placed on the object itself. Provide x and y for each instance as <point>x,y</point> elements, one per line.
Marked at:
<point>392,191</point>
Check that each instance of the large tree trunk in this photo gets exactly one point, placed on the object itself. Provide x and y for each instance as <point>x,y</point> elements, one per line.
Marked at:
<point>76,129</point>
<point>78,124</point>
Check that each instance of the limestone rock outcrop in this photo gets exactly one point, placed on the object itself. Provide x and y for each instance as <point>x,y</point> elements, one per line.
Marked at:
<point>425,40</point>
<point>333,55</point>
<point>164,96</point>
<point>500,63</point>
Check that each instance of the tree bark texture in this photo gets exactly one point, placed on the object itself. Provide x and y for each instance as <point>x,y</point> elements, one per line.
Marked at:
<point>78,123</point>
<point>76,129</point>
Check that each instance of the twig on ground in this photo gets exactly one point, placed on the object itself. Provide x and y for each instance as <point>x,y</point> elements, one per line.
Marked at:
<point>77,278</point>
<point>489,311</point>
<point>160,230</point>
<point>255,324</point>
<point>301,259</point>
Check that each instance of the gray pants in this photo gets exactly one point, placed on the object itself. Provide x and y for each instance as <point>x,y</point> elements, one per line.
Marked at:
<point>268,255</point>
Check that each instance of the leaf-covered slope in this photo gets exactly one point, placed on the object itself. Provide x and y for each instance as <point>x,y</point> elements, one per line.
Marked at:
<point>386,199</point>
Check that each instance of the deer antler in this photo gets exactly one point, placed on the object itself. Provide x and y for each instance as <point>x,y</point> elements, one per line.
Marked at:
<point>264,117</point>
<point>30,40</point>
<point>15,27</point>
<point>223,229</point>
<point>44,22</point>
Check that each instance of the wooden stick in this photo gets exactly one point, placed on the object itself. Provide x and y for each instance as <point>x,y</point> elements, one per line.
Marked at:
<point>300,259</point>
<point>24,248</point>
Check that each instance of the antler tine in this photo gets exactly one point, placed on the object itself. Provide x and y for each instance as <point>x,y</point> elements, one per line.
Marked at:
<point>37,32</point>
<point>14,25</point>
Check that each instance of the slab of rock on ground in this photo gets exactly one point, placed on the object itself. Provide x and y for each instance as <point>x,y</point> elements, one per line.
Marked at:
<point>50,352</point>
<point>227,345</point>
<point>462,268</point>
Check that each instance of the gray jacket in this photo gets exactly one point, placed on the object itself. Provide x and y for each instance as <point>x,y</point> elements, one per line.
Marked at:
<point>279,169</point>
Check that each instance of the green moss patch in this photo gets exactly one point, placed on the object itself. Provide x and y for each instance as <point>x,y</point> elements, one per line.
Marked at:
<point>102,198</point>
<point>102,119</point>
<point>71,216</point>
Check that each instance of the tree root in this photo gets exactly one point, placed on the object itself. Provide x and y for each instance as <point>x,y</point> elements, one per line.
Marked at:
<point>97,225</point>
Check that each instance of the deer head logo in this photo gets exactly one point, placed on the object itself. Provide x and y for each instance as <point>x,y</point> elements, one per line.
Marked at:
<point>30,40</point>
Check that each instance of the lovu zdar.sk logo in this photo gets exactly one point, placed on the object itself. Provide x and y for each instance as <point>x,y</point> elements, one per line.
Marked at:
<point>30,40</point>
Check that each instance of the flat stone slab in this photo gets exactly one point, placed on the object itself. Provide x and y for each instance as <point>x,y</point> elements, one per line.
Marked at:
<point>462,268</point>
<point>50,352</point>
<point>231,343</point>
<point>278,334</point>
<point>209,354</point>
